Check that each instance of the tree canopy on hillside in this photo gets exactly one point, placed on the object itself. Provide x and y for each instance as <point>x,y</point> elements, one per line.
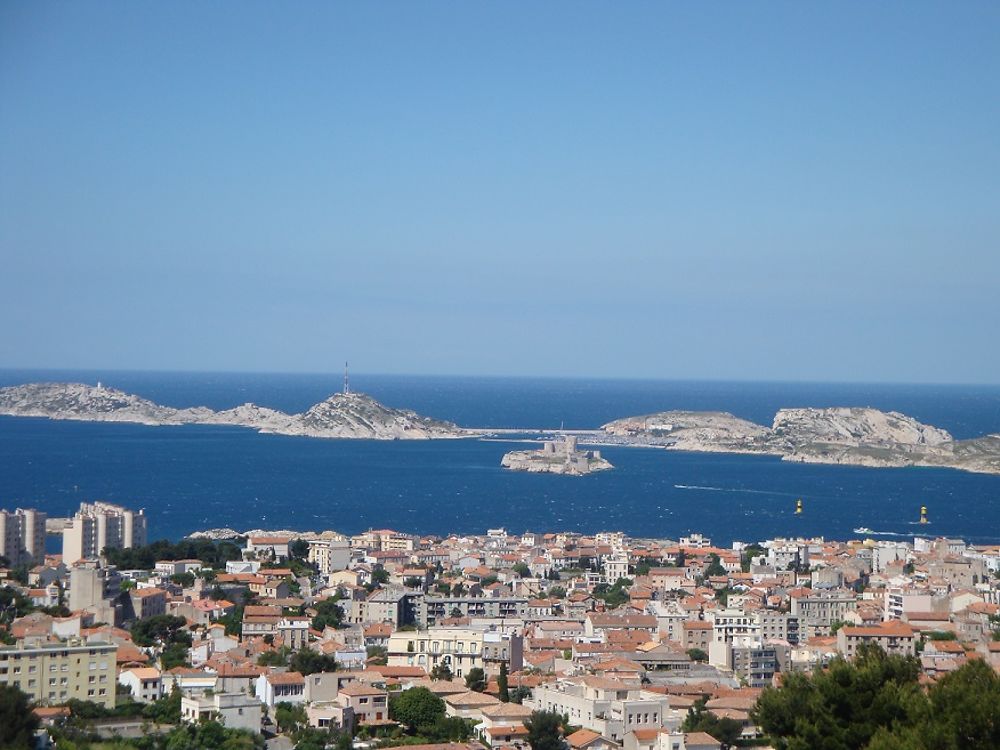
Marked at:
<point>876,703</point>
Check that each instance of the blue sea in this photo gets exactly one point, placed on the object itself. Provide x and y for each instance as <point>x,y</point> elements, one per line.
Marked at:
<point>197,477</point>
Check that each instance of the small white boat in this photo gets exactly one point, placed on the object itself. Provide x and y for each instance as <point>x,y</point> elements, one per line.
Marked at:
<point>863,530</point>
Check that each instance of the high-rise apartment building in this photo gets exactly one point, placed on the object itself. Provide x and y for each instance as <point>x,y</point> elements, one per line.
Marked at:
<point>22,536</point>
<point>97,526</point>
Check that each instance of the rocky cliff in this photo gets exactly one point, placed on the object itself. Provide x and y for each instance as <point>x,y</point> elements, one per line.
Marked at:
<point>840,435</point>
<point>351,415</point>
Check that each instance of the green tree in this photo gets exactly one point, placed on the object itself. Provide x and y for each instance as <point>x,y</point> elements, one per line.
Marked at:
<point>557,592</point>
<point>174,655</point>
<point>185,580</point>
<point>544,730</point>
<point>699,719</point>
<point>960,712</point>
<point>749,553</point>
<point>17,722</point>
<point>416,707</point>
<point>613,596</point>
<point>714,567</point>
<point>290,717</point>
<point>843,706</point>
<point>380,576</point>
<point>475,679</point>
<point>446,729</point>
<point>328,614</point>
<point>377,655</point>
<point>306,662</point>
<point>166,710</point>
<point>522,570</point>
<point>160,629</point>
<point>502,683</point>
<point>276,658</point>
<point>441,671</point>
<point>697,654</point>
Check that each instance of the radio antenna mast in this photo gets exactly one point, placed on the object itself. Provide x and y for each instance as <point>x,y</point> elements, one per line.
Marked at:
<point>347,382</point>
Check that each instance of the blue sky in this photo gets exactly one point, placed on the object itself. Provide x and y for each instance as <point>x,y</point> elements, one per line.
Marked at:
<point>676,190</point>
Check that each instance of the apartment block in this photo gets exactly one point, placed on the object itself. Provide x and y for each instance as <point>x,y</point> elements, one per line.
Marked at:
<point>22,536</point>
<point>461,649</point>
<point>53,673</point>
<point>98,526</point>
<point>330,555</point>
<point>429,610</point>
<point>611,708</point>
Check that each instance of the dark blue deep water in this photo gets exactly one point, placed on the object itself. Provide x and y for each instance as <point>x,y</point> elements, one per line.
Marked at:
<point>197,477</point>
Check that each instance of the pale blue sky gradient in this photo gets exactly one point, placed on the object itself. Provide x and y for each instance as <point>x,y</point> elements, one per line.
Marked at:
<point>719,190</point>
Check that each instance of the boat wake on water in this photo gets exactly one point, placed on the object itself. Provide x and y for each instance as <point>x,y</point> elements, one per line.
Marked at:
<point>705,488</point>
<point>869,532</point>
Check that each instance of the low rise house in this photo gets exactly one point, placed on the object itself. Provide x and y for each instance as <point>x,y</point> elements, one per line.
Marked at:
<point>368,704</point>
<point>232,710</point>
<point>148,602</point>
<point>267,548</point>
<point>280,687</point>
<point>144,683</point>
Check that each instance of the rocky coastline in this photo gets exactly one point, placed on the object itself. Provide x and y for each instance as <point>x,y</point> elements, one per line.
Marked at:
<point>343,415</point>
<point>856,436</point>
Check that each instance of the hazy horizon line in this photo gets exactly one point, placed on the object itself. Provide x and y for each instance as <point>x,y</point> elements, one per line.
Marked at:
<point>337,374</point>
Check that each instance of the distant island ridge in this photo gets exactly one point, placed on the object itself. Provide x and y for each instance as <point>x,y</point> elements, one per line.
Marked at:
<point>858,436</point>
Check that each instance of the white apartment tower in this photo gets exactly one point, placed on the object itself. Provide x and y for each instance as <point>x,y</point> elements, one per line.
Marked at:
<point>22,536</point>
<point>97,526</point>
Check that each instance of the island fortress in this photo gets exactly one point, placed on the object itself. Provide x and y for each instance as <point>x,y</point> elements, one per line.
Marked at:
<point>562,457</point>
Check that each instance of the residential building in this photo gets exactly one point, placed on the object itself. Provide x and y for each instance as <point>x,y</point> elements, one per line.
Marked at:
<point>368,704</point>
<point>232,710</point>
<point>95,589</point>
<point>267,548</point>
<point>330,555</point>
<point>280,687</point>
<point>893,637</point>
<point>22,536</point>
<point>612,708</point>
<point>461,649</point>
<point>429,610</point>
<point>55,672</point>
<point>148,602</point>
<point>144,683</point>
<point>98,526</point>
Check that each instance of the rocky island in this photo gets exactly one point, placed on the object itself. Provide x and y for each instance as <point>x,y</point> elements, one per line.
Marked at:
<point>343,415</point>
<point>562,457</point>
<point>857,436</point>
